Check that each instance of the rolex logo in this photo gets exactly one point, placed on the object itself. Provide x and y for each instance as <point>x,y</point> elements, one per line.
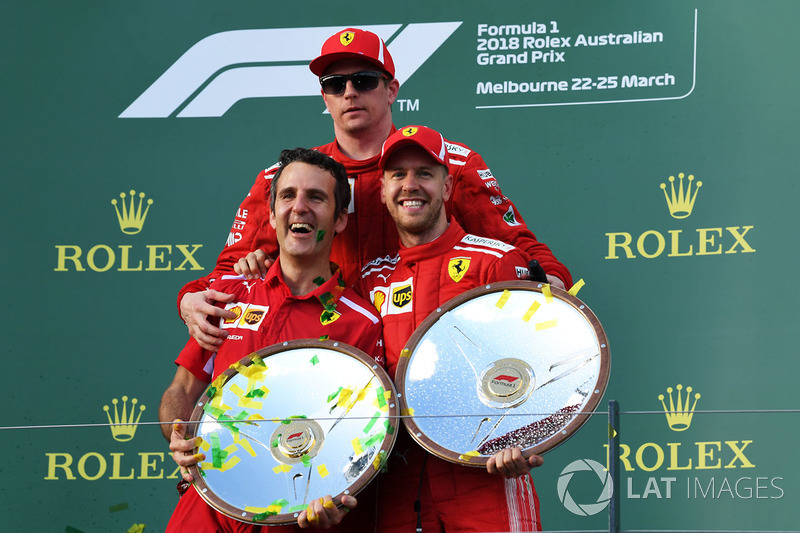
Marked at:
<point>123,424</point>
<point>130,216</point>
<point>681,203</point>
<point>679,415</point>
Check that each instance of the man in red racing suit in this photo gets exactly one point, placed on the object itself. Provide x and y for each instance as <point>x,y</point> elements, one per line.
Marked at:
<point>436,262</point>
<point>302,296</point>
<point>362,120</point>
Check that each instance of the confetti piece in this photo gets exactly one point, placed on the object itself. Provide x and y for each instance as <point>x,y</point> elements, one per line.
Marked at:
<point>118,507</point>
<point>407,411</point>
<point>357,446</point>
<point>324,337</point>
<point>548,294</point>
<point>380,460</point>
<point>405,352</point>
<point>467,456</point>
<point>380,393</point>
<point>576,287</point>
<point>531,310</point>
<point>389,427</point>
<point>320,235</point>
<point>135,528</point>
<point>323,471</point>
<point>295,508</point>
<point>546,324</point>
<point>281,469</point>
<point>372,422</point>
<point>306,460</point>
<point>319,280</point>
<point>314,360</point>
<point>334,394</point>
<point>503,299</point>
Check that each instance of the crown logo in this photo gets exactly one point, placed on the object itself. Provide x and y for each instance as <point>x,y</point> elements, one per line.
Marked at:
<point>679,417</point>
<point>680,204</point>
<point>131,218</point>
<point>123,427</point>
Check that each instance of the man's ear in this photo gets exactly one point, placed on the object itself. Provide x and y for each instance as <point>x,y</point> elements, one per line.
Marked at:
<point>272,221</point>
<point>448,187</point>
<point>341,222</point>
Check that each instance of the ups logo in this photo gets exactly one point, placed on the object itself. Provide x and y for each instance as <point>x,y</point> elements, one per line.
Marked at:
<point>253,316</point>
<point>401,296</point>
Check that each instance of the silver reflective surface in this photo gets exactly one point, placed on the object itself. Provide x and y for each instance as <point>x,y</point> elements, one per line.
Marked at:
<point>306,423</point>
<point>503,369</point>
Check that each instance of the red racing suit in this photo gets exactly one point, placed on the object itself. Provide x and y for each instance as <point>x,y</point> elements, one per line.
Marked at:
<point>268,313</point>
<point>405,289</point>
<point>476,203</point>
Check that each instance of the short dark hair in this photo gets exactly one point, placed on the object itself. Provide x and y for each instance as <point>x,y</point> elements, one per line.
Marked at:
<point>341,191</point>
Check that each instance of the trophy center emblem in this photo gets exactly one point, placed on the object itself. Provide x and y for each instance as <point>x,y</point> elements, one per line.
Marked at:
<point>298,438</point>
<point>505,383</point>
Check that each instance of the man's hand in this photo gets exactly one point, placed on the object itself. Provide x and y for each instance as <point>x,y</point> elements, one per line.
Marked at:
<point>556,282</point>
<point>182,449</point>
<point>254,265</point>
<point>196,308</point>
<point>324,514</point>
<point>509,463</point>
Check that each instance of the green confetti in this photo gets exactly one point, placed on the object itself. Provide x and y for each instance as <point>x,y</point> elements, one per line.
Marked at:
<point>319,280</point>
<point>372,422</point>
<point>381,394</point>
<point>324,337</point>
<point>306,460</point>
<point>136,528</point>
<point>211,392</point>
<point>262,516</point>
<point>327,301</point>
<point>214,412</point>
<point>334,394</point>
<point>296,508</point>
<point>315,360</point>
<point>256,360</point>
<point>389,427</point>
<point>118,507</point>
<point>373,440</point>
<point>320,235</point>
<point>340,281</point>
<point>256,393</point>
<point>277,441</point>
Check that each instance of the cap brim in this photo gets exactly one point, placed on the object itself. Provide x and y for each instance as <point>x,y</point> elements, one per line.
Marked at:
<point>319,65</point>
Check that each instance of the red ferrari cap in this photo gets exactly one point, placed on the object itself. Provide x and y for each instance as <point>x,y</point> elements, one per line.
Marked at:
<point>429,140</point>
<point>353,43</point>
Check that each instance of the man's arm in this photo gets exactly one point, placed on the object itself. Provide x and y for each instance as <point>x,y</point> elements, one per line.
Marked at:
<point>176,406</point>
<point>481,208</point>
<point>250,231</point>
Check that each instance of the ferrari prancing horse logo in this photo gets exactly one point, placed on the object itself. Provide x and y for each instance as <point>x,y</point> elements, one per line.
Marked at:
<point>457,268</point>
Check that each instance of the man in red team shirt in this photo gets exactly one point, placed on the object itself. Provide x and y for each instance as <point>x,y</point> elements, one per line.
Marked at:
<point>358,86</point>
<point>418,486</point>
<point>301,296</point>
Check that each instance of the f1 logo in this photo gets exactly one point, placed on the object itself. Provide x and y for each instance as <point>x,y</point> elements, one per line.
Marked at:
<point>218,71</point>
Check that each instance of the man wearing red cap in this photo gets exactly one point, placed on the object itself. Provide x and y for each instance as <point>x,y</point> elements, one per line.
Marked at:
<point>438,260</point>
<point>358,86</point>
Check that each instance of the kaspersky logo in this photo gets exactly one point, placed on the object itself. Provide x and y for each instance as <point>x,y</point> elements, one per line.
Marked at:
<point>113,462</point>
<point>131,210</point>
<point>224,68</point>
<point>681,197</point>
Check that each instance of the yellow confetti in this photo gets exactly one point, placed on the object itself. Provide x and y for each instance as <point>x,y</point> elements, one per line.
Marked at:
<point>282,469</point>
<point>323,471</point>
<point>405,352</point>
<point>469,455</point>
<point>203,444</point>
<point>357,446</point>
<point>548,294</point>
<point>407,411</point>
<point>503,299</point>
<point>529,313</point>
<point>244,443</point>
<point>547,324</point>
<point>576,287</point>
